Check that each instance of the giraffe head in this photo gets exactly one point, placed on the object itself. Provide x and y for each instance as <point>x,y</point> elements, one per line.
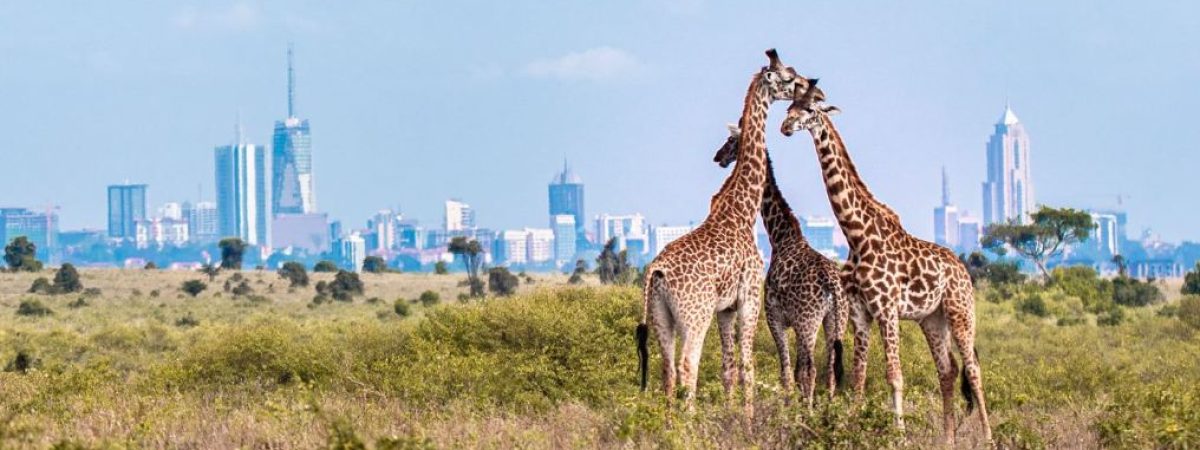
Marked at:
<point>727,154</point>
<point>781,80</point>
<point>806,109</point>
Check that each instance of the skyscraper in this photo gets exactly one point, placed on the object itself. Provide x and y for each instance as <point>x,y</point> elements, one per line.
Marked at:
<point>945,217</point>
<point>126,206</point>
<point>243,191</point>
<point>564,238</point>
<point>1008,191</point>
<point>566,197</point>
<point>204,224</point>
<point>292,174</point>
<point>459,217</point>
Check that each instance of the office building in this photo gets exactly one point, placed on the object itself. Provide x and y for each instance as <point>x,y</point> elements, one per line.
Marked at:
<point>459,217</point>
<point>384,226</point>
<point>540,245</point>
<point>159,232</point>
<point>40,228</point>
<point>620,227</point>
<point>204,222</point>
<point>566,197</point>
<point>351,251</point>
<point>293,191</point>
<point>307,232</point>
<point>945,217</point>
<point>510,247</point>
<point>662,235</point>
<point>1008,193</point>
<point>127,204</point>
<point>969,233</point>
<point>243,192</point>
<point>564,238</point>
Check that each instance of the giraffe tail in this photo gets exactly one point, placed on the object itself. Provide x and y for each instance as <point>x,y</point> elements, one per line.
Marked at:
<point>835,297</point>
<point>968,391</point>
<point>838,369</point>
<point>642,334</point>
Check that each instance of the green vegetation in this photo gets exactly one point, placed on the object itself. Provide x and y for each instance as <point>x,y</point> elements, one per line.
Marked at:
<point>375,264</point>
<point>1191,282</point>
<point>21,255</point>
<point>1051,230</point>
<point>552,367</point>
<point>34,308</point>
<point>577,275</point>
<point>193,287</point>
<point>469,252</point>
<point>294,273</point>
<point>66,280</point>
<point>613,266</point>
<point>344,287</point>
<point>232,252</point>
<point>429,298</point>
<point>211,271</point>
<point>501,282</point>
<point>325,266</point>
<point>439,268</point>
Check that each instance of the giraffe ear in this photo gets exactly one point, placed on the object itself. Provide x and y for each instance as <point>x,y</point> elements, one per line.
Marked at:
<point>829,109</point>
<point>734,131</point>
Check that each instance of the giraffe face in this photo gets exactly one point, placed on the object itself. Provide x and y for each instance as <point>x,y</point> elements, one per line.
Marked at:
<point>727,154</point>
<point>780,80</point>
<point>806,110</point>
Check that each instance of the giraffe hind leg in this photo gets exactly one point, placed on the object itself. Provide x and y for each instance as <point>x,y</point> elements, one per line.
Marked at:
<point>962,328</point>
<point>665,329</point>
<point>937,334</point>
<point>729,368</point>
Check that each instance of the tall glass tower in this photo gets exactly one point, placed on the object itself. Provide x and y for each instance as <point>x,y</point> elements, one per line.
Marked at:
<point>126,206</point>
<point>566,197</point>
<point>242,192</point>
<point>1008,191</point>
<point>292,174</point>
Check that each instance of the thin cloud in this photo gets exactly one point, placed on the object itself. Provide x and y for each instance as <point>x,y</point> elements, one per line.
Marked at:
<point>596,64</point>
<point>238,16</point>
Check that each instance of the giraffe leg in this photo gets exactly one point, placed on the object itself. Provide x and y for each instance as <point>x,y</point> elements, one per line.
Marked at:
<point>889,328</point>
<point>664,327</point>
<point>835,326</point>
<point>779,334</point>
<point>692,332</point>
<point>729,369</point>
<point>962,327</point>
<point>750,302</point>
<point>937,334</point>
<point>862,344</point>
<point>806,370</point>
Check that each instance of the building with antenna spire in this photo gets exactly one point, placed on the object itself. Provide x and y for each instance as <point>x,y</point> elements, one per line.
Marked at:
<point>945,217</point>
<point>566,198</point>
<point>292,175</point>
<point>1008,191</point>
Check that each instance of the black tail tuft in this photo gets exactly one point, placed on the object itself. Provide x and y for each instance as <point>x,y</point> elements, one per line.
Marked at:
<point>838,369</point>
<point>643,335</point>
<point>968,391</point>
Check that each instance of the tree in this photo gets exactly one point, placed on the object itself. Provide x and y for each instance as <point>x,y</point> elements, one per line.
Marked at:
<point>1191,282</point>
<point>295,274</point>
<point>193,287</point>
<point>580,269</point>
<point>344,287</point>
<point>613,266</point>
<point>469,252</point>
<point>21,255</point>
<point>324,266</point>
<point>1050,230</point>
<point>232,251</point>
<point>210,270</point>
<point>502,282</point>
<point>67,279</point>
<point>1122,267</point>
<point>440,268</point>
<point>374,264</point>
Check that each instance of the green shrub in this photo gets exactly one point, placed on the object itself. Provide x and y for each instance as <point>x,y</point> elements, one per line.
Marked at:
<point>33,308</point>
<point>78,303</point>
<point>1188,311</point>
<point>294,273</point>
<point>1191,282</point>
<point>429,298</point>
<point>41,285</point>
<point>344,287</point>
<point>1131,292</point>
<point>374,264</point>
<point>1082,282</point>
<point>1033,304</point>
<point>440,268</point>
<point>92,292</point>
<point>193,287</point>
<point>266,351</point>
<point>401,307</point>
<point>325,266</point>
<point>187,321</point>
<point>22,362</point>
<point>501,282</point>
<point>66,279</point>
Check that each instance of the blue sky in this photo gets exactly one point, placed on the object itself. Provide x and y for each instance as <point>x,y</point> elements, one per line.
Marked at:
<point>415,102</point>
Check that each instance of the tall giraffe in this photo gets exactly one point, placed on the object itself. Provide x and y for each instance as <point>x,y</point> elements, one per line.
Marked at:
<point>891,275</point>
<point>716,268</point>
<point>803,288</point>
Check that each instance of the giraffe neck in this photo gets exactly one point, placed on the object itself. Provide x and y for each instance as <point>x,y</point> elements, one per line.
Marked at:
<point>739,197</point>
<point>782,226</point>
<point>860,215</point>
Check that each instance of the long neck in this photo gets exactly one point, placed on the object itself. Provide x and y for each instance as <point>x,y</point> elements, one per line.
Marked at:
<point>782,226</point>
<point>739,197</point>
<point>860,215</point>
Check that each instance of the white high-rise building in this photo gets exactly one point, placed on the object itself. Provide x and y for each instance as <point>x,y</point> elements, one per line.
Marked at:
<point>203,222</point>
<point>1105,235</point>
<point>384,226</point>
<point>620,227</point>
<point>1008,191</point>
<point>243,191</point>
<point>663,235</point>
<point>511,246</point>
<point>564,237</point>
<point>969,233</point>
<point>459,216</point>
<point>351,251</point>
<point>945,217</point>
<point>539,245</point>
<point>171,210</point>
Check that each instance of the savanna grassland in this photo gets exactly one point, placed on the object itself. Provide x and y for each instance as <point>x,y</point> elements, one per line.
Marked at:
<point>138,363</point>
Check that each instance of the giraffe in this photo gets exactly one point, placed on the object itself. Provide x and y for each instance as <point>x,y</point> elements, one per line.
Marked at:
<point>803,287</point>
<point>716,269</point>
<point>892,276</point>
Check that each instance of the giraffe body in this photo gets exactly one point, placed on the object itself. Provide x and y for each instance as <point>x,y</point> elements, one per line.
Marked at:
<point>892,276</point>
<point>803,290</point>
<point>716,269</point>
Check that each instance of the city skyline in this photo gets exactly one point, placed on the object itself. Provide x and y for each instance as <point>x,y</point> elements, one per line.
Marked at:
<point>381,120</point>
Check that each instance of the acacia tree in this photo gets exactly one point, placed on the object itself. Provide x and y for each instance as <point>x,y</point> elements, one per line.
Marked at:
<point>210,270</point>
<point>232,251</point>
<point>469,252</point>
<point>1050,230</point>
<point>295,274</point>
<point>612,266</point>
<point>21,255</point>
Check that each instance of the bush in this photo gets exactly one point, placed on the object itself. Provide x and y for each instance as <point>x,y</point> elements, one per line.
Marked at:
<point>440,268</point>
<point>67,279</point>
<point>187,321</point>
<point>344,287</point>
<point>401,307</point>
<point>1033,304</point>
<point>21,363</point>
<point>501,282</point>
<point>232,251</point>
<point>21,255</point>
<point>1191,282</point>
<point>33,308</point>
<point>78,303</point>
<point>241,289</point>
<point>1000,273</point>
<point>1082,282</point>
<point>1188,311</point>
<point>92,292</point>
<point>41,286</point>
<point>429,298</point>
<point>193,287</point>
<point>294,273</point>
<point>374,264</point>
<point>325,266</point>
<point>150,266</point>
<point>1131,292</point>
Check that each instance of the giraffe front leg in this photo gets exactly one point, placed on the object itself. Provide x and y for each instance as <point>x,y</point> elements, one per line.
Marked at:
<point>862,345</point>
<point>779,334</point>
<point>889,328</point>
<point>806,369</point>
<point>729,369</point>
<point>937,334</point>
